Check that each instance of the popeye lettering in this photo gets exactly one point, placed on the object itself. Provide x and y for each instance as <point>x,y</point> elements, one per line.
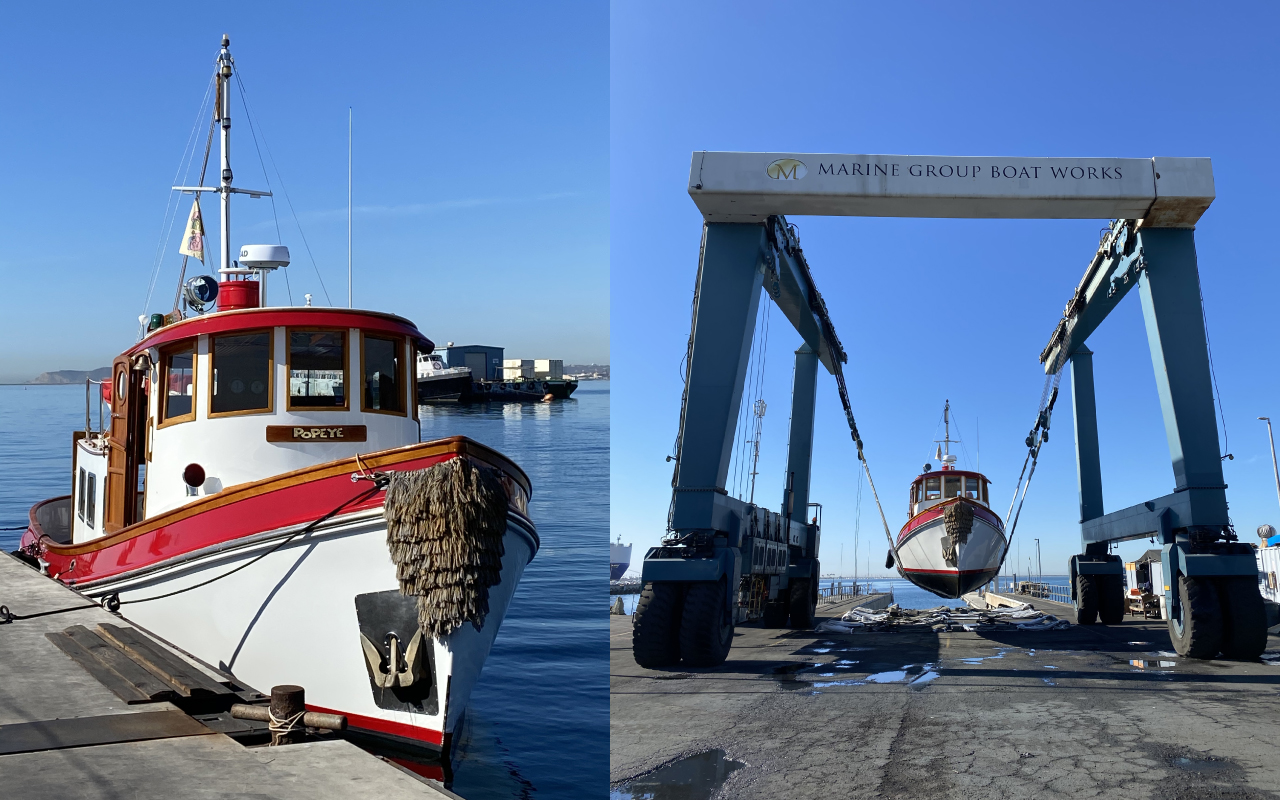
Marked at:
<point>319,433</point>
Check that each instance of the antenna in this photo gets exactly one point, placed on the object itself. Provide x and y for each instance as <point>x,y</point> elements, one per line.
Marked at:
<point>349,207</point>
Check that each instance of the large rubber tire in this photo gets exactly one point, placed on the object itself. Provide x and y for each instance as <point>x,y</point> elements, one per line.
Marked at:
<point>1198,634</point>
<point>803,604</point>
<point>1111,599</point>
<point>1244,618</point>
<point>1086,600</point>
<point>655,633</point>
<point>775,614</point>
<point>706,625</point>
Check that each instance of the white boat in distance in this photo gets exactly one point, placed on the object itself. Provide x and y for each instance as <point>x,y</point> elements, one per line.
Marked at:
<point>952,542</point>
<point>261,499</point>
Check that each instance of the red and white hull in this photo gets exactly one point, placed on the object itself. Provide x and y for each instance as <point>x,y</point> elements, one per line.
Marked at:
<point>292,611</point>
<point>922,543</point>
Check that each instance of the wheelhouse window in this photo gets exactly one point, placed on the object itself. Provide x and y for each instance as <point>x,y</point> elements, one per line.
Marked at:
<point>80,494</point>
<point>91,504</point>
<point>933,488</point>
<point>951,486</point>
<point>383,367</point>
<point>241,373</point>
<point>973,488</point>
<point>178,400</point>
<point>317,369</point>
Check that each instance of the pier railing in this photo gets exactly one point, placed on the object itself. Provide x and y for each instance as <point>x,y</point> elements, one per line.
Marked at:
<point>833,591</point>
<point>1030,589</point>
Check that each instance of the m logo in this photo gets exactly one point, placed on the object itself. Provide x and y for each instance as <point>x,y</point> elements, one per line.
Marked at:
<point>786,169</point>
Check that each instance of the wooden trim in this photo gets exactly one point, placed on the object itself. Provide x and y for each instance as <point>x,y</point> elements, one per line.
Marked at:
<point>271,374</point>
<point>346,368</point>
<point>400,382</point>
<point>458,445</point>
<point>162,385</point>
<point>413,382</point>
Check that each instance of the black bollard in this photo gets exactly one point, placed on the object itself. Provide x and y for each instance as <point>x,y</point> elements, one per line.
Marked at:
<point>287,702</point>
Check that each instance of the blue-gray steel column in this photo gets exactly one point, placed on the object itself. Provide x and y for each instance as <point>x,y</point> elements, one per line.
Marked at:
<point>1170,291</point>
<point>724,324</point>
<point>1084,408</point>
<point>804,396</point>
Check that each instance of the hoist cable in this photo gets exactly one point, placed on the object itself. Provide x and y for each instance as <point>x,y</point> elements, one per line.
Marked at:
<point>818,306</point>
<point>1035,440</point>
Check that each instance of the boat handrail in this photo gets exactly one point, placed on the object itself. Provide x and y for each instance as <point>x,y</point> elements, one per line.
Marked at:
<point>88,424</point>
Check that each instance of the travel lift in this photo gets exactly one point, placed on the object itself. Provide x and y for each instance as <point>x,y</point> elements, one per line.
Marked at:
<point>726,561</point>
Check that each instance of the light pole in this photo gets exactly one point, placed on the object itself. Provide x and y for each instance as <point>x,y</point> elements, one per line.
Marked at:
<point>1274,467</point>
<point>1039,566</point>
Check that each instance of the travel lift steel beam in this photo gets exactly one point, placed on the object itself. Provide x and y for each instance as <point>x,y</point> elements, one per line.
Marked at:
<point>729,561</point>
<point>1210,579</point>
<point>726,560</point>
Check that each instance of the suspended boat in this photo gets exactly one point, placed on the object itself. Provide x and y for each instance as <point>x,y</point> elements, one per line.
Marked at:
<point>260,497</point>
<point>952,542</point>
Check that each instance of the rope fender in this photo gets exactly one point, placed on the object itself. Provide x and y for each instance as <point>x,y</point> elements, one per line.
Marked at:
<point>958,518</point>
<point>444,531</point>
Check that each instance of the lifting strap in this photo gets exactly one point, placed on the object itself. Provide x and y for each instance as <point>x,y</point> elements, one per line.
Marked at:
<point>1035,440</point>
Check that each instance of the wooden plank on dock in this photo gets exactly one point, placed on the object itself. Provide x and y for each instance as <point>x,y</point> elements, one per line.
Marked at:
<point>101,672</point>
<point>58,734</point>
<point>121,664</point>
<point>187,678</point>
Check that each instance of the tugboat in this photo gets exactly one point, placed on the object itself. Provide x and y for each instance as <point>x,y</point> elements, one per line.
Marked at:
<point>952,542</point>
<point>261,499</point>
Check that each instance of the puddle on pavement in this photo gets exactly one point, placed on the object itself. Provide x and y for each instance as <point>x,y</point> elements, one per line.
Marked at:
<point>925,677</point>
<point>916,676</point>
<point>1048,666</point>
<point>893,676</point>
<point>1048,682</point>
<point>1203,766</point>
<point>1271,658</point>
<point>1139,644</point>
<point>694,778</point>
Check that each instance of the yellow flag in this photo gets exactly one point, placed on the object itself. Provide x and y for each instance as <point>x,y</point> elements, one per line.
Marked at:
<point>193,238</point>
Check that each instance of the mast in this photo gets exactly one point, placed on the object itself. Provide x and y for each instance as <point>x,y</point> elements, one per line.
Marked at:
<point>224,116</point>
<point>946,440</point>
<point>946,420</point>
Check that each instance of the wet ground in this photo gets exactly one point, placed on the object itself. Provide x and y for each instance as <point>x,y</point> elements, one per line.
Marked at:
<point>1087,712</point>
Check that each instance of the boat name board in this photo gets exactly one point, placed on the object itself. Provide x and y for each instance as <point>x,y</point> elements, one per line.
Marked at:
<point>312,433</point>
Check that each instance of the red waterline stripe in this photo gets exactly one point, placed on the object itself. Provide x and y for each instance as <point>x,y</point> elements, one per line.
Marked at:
<point>386,726</point>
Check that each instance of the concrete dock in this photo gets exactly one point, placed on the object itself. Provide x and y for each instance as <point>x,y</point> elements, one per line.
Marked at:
<point>1086,712</point>
<point>64,734</point>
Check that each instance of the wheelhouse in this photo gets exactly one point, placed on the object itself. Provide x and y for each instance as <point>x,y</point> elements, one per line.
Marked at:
<point>932,488</point>
<point>237,396</point>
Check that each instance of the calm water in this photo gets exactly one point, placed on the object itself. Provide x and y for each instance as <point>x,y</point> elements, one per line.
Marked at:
<point>905,593</point>
<point>538,722</point>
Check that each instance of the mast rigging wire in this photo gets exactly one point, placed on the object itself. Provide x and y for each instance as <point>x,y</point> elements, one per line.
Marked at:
<point>244,98</point>
<point>170,209</point>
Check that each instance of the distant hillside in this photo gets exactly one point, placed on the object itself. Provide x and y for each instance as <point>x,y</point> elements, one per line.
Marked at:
<point>65,376</point>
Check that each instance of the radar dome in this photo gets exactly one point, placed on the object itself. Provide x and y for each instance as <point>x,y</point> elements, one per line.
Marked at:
<point>264,256</point>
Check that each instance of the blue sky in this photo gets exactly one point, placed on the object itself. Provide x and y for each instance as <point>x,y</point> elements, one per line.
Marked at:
<point>946,79</point>
<point>481,166</point>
